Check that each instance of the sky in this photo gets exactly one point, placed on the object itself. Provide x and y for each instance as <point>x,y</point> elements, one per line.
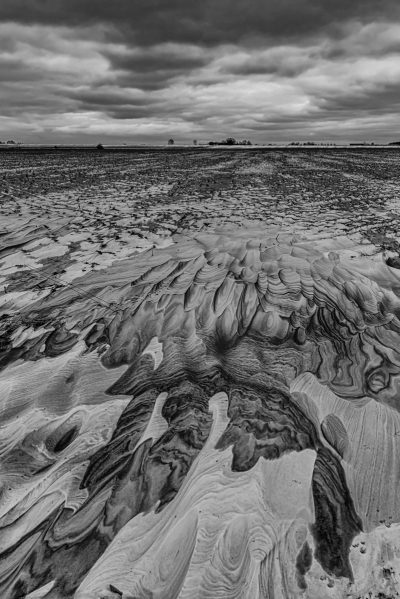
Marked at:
<point>142,71</point>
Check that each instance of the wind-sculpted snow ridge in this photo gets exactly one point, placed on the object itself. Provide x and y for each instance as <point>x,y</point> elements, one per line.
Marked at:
<point>219,418</point>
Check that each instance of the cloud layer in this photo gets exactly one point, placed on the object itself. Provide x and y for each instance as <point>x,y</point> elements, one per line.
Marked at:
<point>146,70</point>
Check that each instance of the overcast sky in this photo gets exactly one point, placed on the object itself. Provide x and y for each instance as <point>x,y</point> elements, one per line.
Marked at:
<point>84,71</point>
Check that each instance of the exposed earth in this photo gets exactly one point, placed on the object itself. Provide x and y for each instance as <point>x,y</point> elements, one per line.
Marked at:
<point>200,374</point>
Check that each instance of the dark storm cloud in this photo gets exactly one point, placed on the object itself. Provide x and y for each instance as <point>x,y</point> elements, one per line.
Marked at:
<point>365,101</point>
<point>101,97</point>
<point>159,59</point>
<point>153,67</point>
<point>147,81</point>
<point>114,103</point>
<point>12,69</point>
<point>209,22</point>
<point>284,64</point>
<point>119,105</point>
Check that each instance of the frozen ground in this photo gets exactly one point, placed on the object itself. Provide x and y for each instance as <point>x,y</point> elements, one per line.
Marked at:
<point>200,374</point>
<point>63,214</point>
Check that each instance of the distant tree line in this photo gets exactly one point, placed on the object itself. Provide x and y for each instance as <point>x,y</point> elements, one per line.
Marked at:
<point>230,141</point>
<point>311,143</point>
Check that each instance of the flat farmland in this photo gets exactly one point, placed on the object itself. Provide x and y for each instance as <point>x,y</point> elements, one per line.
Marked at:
<point>65,213</point>
<point>199,373</point>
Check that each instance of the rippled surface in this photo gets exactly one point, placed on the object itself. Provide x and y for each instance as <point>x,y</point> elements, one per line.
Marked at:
<point>214,418</point>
